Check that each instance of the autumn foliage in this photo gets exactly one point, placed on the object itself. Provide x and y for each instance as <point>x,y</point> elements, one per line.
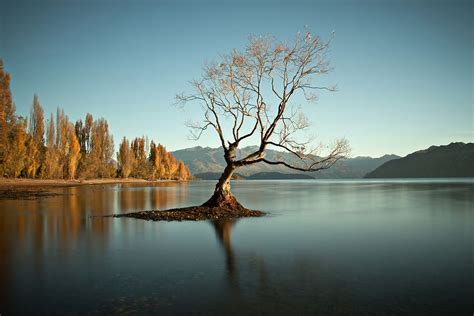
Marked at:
<point>71,151</point>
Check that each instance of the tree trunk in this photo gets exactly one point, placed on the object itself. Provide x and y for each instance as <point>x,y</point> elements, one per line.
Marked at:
<point>222,196</point>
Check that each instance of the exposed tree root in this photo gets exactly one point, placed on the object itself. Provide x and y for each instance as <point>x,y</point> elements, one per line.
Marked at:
<point>220,200</point>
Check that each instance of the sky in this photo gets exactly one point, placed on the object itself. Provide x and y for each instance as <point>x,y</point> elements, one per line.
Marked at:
<point>404,69</point>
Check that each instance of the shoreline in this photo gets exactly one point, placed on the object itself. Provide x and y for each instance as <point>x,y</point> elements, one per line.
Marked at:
<point>12,183</point>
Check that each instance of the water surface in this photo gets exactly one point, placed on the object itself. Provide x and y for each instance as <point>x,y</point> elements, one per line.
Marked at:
<point>327,247</point>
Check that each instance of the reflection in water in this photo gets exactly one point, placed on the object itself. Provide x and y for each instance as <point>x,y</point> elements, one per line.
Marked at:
<point>35,233</point>
<point>307,282</point>
<point>327,248</point>
<point>36,224</point>
<point>223,229</point>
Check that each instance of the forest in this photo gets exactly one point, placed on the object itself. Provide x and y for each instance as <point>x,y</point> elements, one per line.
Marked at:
<point>57,148</point>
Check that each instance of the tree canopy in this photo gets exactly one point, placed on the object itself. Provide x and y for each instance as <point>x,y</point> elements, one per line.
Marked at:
<point>249,96</point>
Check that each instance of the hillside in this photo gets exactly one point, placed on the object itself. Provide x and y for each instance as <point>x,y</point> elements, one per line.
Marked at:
<point>453,160</point>
<point>205,159</point>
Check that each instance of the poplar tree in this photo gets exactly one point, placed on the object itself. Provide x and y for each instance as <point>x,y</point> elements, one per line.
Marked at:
<point>83,133</point>
<point>163,163</point>
<point>7,117</point>
<point>182,172</point>
<point>172,165</point>
<point>101,149</point>
<point>139,153</point>
<point>16,156</point>
<point>50,169</point>
<point>79,129</point>
<point>62,144</point>
<point>35,144</point>
<point>125,159</point>
<point>31,157</point>
<point>74,149</point>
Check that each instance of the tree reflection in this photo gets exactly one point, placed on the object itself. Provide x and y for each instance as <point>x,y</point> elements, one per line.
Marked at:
<point>223,229</point>
<point>307,280</point>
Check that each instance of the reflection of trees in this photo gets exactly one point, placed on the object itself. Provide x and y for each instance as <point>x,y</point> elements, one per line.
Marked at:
<point>57,222</point>
<point>133,197</point>
<point>126,196</point>
<point>38,226</point>
<point>168,195</point>
<point>7,232</point>
<point>161,197</point>
<point>38,236</point>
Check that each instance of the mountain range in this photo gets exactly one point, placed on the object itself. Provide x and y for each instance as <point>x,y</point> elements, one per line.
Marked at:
<point>208,163</point>
<point>453,160</point>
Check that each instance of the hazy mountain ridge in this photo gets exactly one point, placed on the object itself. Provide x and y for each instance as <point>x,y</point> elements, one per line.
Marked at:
<point>215,176</point>
<point>211,160</point>
<point>255,176</point>
<point>279,176</point>
<point>453,160</point>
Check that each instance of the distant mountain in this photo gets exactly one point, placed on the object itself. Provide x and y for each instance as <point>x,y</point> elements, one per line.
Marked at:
<point>453,160</point>
<point>256,176</point>
<point>278,176</point>
<point>211,160</point>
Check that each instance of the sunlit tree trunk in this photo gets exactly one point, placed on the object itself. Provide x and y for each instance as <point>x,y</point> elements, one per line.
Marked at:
<point>222,196</point>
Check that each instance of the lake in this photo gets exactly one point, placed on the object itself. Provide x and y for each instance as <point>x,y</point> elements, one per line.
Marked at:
<point>370,247</point>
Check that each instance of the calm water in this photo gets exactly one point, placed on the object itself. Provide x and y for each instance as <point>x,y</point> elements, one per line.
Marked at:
<point>327,247</point>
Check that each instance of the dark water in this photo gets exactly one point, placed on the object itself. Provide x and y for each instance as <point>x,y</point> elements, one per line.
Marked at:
<point>327,247</point>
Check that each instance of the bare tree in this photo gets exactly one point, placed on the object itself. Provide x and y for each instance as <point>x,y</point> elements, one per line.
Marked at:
<point>249,95</point>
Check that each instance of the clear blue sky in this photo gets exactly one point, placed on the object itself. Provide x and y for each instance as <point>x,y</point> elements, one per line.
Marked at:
<point>404,68</point>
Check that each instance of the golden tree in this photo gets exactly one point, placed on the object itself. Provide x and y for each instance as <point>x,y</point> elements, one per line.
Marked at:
<point>162,169</point>
<point>7,117</point>
<point>154,159</point>
<point>35,145</point>
<point>182,172</point>
<point>139,156</point>
<point>31,159</point>
<point>15,161</point>
<point>73,152</point>
<point>101,149</point>
<point>50,168</point>
<point>125,158</point>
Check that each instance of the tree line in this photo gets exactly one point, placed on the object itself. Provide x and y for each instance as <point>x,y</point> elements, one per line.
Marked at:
<point>56,148</point>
